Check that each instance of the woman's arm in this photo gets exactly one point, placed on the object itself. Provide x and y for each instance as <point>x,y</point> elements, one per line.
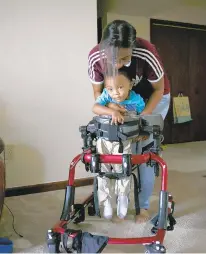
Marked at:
<point>97,90</point>
<point>155,97</point>
<point>154,73</point>
<point>95,72</point>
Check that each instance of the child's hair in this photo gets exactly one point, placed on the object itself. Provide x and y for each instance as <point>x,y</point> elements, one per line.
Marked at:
<point>111,72</point>
<point>125,74</point>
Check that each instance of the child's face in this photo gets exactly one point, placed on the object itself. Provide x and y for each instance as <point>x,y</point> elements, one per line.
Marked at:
<point>118,87</point>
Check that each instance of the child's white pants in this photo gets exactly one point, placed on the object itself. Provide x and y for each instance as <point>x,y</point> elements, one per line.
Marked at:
<point>108,187</point>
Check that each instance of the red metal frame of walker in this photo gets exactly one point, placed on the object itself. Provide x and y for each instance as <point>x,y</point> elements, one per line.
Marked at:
<point>117,159</point>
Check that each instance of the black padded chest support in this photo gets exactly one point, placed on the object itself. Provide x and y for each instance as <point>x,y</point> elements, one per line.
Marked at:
<point>117,132</point>
<point>102,127</point>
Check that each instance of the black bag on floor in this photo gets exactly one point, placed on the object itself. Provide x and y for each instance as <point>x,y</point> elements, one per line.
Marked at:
<point>88,243</point>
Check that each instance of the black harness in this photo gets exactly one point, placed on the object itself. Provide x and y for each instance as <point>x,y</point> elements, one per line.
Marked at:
<point>101,127</point>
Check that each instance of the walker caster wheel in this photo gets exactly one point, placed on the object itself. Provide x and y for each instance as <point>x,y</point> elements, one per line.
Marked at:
<point>172,222</point>
<point>80,217</point>
<point>155,248</point>
<point>52,248</point>
<point>53,242</point>
<point>66,245</point>
<point>154,230</point>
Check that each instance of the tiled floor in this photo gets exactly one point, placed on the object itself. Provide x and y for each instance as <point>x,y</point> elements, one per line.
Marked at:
<point>35,214</point>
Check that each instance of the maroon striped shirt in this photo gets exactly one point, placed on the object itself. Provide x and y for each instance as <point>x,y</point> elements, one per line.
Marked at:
<point>148,64</point>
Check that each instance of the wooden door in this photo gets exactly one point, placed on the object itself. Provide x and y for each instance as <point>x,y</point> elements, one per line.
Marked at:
<point>184,57</point>
<point>197,80</point>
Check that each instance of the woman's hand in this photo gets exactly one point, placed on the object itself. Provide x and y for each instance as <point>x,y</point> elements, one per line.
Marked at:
<point>116,107</point>
<point>141,138</point>
<point>144,113</point>
<point>117,117</point>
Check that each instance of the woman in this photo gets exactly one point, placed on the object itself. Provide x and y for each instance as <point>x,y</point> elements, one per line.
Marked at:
<point>120,46</point>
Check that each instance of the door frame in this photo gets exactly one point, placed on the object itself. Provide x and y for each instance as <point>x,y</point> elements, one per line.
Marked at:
<point>175,24</point>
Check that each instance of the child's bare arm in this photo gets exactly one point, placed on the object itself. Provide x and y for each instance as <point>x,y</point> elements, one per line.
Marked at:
<point>117,107</point>
<point>117,117</point>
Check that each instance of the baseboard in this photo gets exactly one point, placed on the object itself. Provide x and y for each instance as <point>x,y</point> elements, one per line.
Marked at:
<point>45,187</point>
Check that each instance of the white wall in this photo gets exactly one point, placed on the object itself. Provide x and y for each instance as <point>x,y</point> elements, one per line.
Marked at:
<point>45,93</point>
<point>186,14</point>
<point>141,23</point>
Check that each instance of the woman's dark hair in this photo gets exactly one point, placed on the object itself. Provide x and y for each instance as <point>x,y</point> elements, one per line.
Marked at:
<point>120,34</point>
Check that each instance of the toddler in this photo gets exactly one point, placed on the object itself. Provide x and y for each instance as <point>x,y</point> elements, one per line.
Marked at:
<point>118,90</point>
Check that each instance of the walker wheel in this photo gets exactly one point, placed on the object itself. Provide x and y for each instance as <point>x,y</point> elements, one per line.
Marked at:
<point>53,248</point>
<point>53,242</point>
<point>155,248</point>
<point>154,230</point>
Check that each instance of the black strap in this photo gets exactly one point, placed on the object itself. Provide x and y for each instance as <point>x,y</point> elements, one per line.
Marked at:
<point>121,146</point>
<point>147,147</point>
<point>139,182</point>
<point>116,132</point>
<point>129,135</point>
<point>96,200</point>
<point>113,175</point>
<point>136,195</point>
